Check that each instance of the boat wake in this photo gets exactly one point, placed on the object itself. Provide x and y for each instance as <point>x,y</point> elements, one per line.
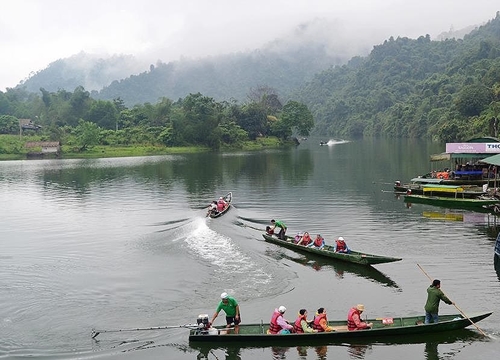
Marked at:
<point>228,263</point>
<point>332,142</point>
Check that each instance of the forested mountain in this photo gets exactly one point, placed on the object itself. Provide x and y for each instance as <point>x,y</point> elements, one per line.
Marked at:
<point>83,70</point>
<point>283,64</point>
<point>413,88</point>
<point>222,77</point>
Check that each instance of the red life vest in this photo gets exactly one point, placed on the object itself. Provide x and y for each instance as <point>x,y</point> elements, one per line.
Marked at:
<point>297,327</point>
<point>351,325</point>
<point>316,325</point>
<point>221,204</point>
<point>318,241</point>
<point>341,246</point>
<point>306,240</point>
<point>274,328</point>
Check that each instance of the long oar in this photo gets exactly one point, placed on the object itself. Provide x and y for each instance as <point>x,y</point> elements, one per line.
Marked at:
<point>97,332</point>
<point>461,312</point>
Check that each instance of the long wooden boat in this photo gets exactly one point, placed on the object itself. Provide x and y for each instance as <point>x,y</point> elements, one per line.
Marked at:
<point>417,187</point>
<point>383,328</point>
<point>328,251</point>
<point>228,198</point>
<point>477,204</point>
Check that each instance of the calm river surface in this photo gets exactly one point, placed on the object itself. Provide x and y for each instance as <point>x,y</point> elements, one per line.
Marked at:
<point>124,243</point>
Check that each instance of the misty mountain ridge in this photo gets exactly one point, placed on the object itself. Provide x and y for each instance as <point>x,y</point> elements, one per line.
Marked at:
<point>283,64</point>
<point>91,71</point>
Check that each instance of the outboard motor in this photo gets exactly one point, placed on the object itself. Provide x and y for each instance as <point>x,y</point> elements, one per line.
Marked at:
<point>202,321</point>
<point>204,326</point>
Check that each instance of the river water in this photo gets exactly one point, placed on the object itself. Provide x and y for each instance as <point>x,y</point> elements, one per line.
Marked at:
<point>124,243</point>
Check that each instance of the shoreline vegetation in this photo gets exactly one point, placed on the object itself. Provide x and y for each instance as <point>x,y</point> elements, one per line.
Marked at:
<point>13,148</point>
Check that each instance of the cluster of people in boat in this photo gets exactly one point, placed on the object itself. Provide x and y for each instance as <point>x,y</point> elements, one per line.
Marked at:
<point>217,206</point>
<point>304,238</point>
<point>279,325</point>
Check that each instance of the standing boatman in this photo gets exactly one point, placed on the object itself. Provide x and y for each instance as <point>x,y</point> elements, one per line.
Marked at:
<point>434,295</point>
<point>281,225</point>
<point>232,310</point>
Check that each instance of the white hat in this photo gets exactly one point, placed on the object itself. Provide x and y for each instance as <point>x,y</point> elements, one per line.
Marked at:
<point>341,238</point>
<point>224,295</point>
<point>282,309</point>
<point>360,307</point>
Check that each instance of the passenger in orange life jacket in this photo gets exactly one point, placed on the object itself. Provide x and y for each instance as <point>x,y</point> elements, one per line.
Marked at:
<point>318,243</point>
<point>341,246</point>
<point>354,319</point>
<point>301,324</point>
<point>320,322</point>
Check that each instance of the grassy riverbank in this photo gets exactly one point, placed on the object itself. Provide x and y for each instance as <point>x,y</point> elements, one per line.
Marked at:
<point>12,148</point>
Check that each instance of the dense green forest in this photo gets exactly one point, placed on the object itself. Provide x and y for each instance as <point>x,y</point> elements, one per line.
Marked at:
<point>448,90</point>
<point>77,119</point>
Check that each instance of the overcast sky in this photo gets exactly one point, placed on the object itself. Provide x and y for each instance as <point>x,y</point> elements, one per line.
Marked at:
<point>34,33</point>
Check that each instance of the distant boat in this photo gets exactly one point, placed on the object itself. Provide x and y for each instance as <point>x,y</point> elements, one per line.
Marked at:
<point>458,201</point>
<point>417,185</point>
<point>228,198</point>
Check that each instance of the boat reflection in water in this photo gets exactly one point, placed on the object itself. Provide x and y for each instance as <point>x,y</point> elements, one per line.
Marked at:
<point>320,263</point>
<point>231,353</point>
<point>468,217</point>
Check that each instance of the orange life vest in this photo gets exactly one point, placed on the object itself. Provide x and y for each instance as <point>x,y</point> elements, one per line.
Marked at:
<point>274,328</point>
<point>341,245</point>
<point>297,327</point>
<point>221,204</point>
<point>316,325</point>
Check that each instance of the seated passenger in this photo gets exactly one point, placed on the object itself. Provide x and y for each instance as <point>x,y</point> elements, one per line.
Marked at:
<point>269,231</point>
<point>320,322</point>
<point>354,319</point>
<point>212,208</point>
<point>301,325</point>
<point>341,246</point>
<point>221,204</point>
<point>306,239</point>
<point>278,324</point>
<point>318,243</point>
<point>298,237</point>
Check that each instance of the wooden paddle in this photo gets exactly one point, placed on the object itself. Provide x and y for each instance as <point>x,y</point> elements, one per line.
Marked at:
<point>456,306</point>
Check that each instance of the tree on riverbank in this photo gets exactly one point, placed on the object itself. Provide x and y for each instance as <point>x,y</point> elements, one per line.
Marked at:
<point>78,120</point>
